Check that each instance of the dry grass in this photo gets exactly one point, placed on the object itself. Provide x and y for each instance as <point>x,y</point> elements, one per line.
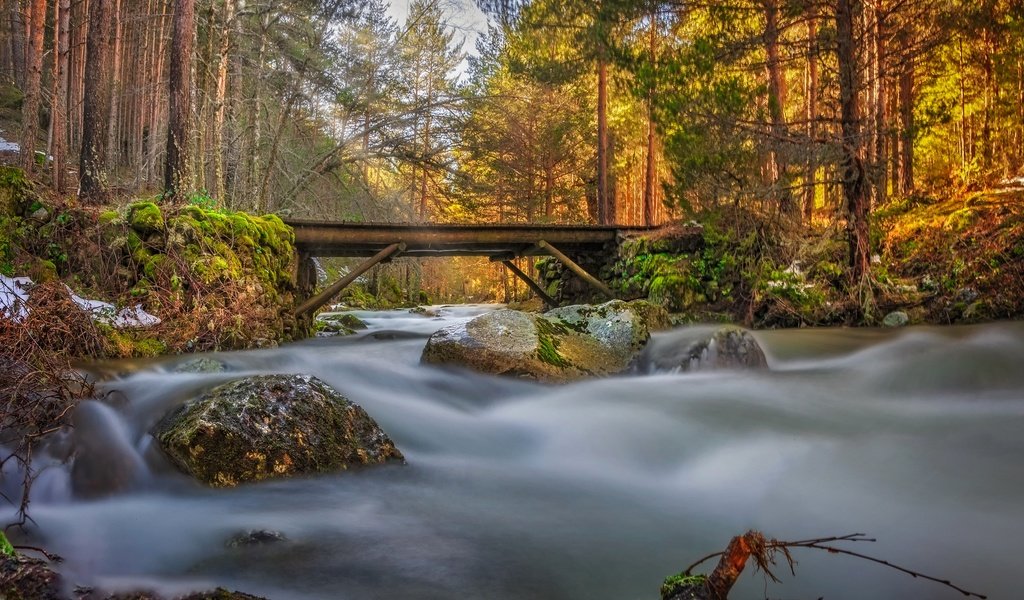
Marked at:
<point>38,383</point>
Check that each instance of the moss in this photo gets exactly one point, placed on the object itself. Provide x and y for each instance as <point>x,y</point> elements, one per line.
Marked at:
<point>680,583</point>
<point>108,217</point>
<point>152,267</point>
<point>15,191</point>
<point>547,343</point>
<point>43,270</point>
<point>127,344</point>
<point>140,289</point>
<point>10,97</point>
<point>145,217</point>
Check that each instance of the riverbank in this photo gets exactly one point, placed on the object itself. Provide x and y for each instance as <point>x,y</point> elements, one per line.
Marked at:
<point>938,261</point>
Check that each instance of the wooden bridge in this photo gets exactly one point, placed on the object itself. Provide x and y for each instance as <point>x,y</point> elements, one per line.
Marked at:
<point>500,242</point>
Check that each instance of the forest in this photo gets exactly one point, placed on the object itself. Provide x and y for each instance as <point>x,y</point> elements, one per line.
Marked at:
<point>812,114</point>
<point>803,317</point>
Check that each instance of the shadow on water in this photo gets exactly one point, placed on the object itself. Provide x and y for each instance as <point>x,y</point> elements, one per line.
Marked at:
<point>597,489</point>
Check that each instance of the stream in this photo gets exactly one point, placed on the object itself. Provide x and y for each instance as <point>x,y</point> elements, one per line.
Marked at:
<point>593,490</point>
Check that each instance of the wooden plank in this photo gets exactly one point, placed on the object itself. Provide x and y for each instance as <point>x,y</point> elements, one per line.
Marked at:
<point>440,237</point>
<point>530,283</point>
<point>325,296</point>
<point>578,270</point>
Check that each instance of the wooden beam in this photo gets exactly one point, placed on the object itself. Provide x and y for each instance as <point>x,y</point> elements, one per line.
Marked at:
<point>578,270</point>
<point>530,283</point>
<point>325,296</point>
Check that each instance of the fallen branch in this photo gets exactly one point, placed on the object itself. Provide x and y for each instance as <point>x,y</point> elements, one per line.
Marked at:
<point>753,544</point>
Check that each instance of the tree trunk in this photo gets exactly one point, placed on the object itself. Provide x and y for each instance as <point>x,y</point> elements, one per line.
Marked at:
<point>96,101</point>
<point>811,166</point>
<point>17,43</point>
<point>113,131</point>
<point>880,117</point>
<point>988,67</point>
<point>776,102</point>
<point>603,203</point>
<point>221,101</point>
<point>905,166</point>
<point>59,120</point>
<point>854,180</point>
<point>650,170</point>
<point>176,177</point>
<point>33,89</point>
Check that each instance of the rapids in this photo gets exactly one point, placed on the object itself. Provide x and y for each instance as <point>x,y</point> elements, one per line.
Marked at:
<point>593,490</point>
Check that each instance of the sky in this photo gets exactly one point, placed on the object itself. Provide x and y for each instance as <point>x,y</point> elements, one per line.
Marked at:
<point>468,21</point>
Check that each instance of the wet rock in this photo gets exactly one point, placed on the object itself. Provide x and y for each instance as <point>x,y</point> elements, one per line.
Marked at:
<point>339,324</point>
<point>202,364</point>
<point>40,215</point>
<point>703,348</point>
<point>897,318</point>
<point>562,345</point>
<point>24,578</point>
<point>255,537</point>
<point>271,426</point>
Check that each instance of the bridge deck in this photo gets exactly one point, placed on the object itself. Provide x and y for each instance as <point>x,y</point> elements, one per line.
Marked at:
<point>316,238</point>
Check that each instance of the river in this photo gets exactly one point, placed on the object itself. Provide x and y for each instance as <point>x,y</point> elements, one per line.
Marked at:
<point>594,490</point>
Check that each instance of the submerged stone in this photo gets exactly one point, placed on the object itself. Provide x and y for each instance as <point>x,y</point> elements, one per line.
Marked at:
<point>896,318</point>
<point>271,426</point>
<point>255,537</point>
<point>201,364</point>
<point>703,348</point>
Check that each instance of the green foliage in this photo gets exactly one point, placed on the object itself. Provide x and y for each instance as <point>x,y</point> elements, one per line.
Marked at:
<point>203,200</point>
<point>681,582</point>
<point>6,549</point>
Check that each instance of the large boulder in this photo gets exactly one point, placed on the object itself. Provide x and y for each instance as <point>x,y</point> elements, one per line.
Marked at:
<point>703,348</point>
<point>271,426</point>
<point>562,345</point>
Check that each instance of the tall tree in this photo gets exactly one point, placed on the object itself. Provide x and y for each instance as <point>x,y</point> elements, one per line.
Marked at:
<point>96,101</point>
<point>811,91</point>
<point>59,118</point>
<point>36,26</point>
<point>176,177</point>
<point>854,182</point>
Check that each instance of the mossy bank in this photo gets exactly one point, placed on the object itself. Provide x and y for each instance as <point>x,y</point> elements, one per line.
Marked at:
<point>218,280</point>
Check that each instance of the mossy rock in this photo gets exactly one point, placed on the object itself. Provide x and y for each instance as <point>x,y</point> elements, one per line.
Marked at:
<point>145,217</point>
<point>271,426</point>
<point>338,324</point>
<point>562,345</point>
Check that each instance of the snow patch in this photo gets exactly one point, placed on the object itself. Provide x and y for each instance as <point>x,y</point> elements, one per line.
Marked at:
<point>14,293</point>
<point>13,296</point>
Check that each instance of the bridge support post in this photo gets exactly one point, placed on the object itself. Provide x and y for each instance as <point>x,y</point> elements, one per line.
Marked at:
<point>575,268</point>
<point>309,306</point>
<point>530,283</point>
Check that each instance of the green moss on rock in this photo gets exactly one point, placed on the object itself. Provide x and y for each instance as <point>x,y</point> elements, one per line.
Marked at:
<point>145,217</point>
<point>271,426</point>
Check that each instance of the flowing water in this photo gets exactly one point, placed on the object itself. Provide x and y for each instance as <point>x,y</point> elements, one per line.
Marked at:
<point>594,490</point>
